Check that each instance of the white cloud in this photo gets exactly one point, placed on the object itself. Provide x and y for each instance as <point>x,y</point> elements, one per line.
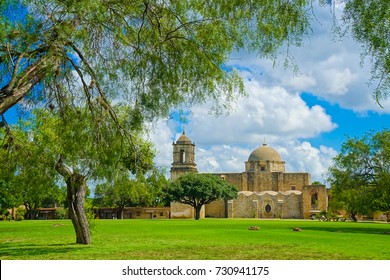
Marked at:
<point>330,68</point>
<point>269,112</point>
<point>302,156</point>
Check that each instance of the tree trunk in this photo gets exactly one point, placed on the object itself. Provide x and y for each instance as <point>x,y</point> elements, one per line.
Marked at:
<point>76,188</point>
<point>353,217</point>
<point>197,211</point>
<point>121,210</point>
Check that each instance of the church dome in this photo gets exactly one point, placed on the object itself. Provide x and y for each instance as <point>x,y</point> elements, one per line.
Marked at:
<point>264,153</point>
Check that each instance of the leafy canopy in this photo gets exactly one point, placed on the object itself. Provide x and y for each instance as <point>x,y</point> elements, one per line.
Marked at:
<point>151,55</point>
<point>360,174</point>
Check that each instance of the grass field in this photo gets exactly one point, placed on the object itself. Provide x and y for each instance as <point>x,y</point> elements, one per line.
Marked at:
<point>204,240</point>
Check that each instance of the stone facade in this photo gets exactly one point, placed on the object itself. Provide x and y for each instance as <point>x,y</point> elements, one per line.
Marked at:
<point>265,189</point>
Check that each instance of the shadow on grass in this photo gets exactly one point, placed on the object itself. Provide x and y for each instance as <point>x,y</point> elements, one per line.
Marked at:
<point>34,251</point>
<point>353,230</point>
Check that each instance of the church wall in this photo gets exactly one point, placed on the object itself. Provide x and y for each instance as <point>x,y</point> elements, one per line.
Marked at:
<point>298,180</point>
<point>315,198</point>
<point>276,166</point>
<point>244,182</point>
<point>291,206</point>
<point>263,181</point>
<point>243,206</point>
<point>264,166</point>
<point>268,205</point>
<point>184,211</point>
<point>215,209</point>
<point>277,178</point>
<point>232,178</point>
<point>250,181</point>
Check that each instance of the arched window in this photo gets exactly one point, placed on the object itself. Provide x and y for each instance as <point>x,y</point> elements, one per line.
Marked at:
<point>268,208</point>
<point>182,156</point>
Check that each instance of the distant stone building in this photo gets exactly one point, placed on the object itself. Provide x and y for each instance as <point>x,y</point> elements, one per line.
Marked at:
<point>265,189</point>
<point>133,213</point>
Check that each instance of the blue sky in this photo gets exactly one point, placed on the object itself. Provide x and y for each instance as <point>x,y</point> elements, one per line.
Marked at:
<point>304,115</point>
<point>350,123</point>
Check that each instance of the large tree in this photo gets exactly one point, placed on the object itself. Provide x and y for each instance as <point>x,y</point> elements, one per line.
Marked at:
<point>77,149</point>
<point>200,189</point>
<point>153,54</point>
<point>360,174</point>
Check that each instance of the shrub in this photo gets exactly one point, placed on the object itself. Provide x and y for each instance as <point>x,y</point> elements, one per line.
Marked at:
<point>20,213</point>
<point>61,213</point>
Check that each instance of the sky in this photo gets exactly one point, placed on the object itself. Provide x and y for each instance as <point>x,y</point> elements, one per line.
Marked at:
<point>305,116</point>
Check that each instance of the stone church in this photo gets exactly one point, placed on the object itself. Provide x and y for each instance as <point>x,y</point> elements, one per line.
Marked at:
<point>265,189</point>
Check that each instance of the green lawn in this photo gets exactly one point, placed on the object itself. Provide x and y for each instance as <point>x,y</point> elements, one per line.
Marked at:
<point>189,239</point>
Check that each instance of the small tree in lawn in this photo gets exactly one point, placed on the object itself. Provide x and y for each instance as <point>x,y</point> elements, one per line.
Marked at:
<point>200,189</point>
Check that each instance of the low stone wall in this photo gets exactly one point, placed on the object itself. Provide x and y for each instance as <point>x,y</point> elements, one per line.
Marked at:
<point>268,204</point>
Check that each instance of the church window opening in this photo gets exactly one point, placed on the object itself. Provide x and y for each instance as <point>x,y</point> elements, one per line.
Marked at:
<point>182,156</point>
<point>268,208</point>
<point>262,168</point>
<point>293,188</point>
<point>314,199</point>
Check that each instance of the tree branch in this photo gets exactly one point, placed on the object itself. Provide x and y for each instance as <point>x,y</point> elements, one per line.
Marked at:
<point>62,169</point>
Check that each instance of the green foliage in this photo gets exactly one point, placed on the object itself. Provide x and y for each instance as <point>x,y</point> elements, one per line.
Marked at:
<point>120,192</point>
<point>27,177</point>
<point>155,184</point>
<point>20,213</point>
<point>88,208</point>
<point>118,48</point>
<point>360,174</point>
<point>8,198</point>
<point>204,188</point>
<point>369,22</point>
<point>123,190</point>
<point>61,213</point>
<point>97,52</point>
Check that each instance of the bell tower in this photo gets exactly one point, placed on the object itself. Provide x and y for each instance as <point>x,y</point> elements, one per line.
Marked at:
<point>183,157</point>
